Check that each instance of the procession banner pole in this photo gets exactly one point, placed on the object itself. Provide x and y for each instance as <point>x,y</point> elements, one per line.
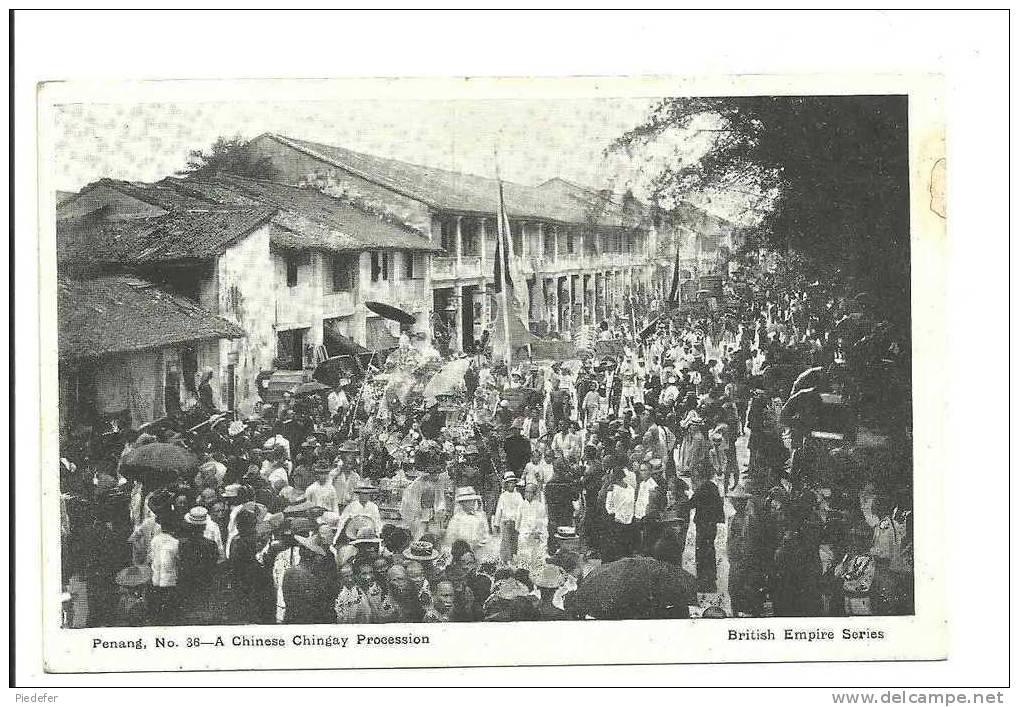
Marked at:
<point>360,395</point>
<point>502,263</point>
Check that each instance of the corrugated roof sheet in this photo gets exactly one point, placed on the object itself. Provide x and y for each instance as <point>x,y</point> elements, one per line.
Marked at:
<point>189,235</point>
<point>119,314</point>
<point>455,191</point>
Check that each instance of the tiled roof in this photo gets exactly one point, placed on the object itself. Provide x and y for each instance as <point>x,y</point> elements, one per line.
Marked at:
<point>695,217</point>
<point>684,211</point>
<point>119,314</point>
<point>452,191</point>
<point>610,205</point>
<point>312,219</point>
<point>160,194</point>
<point>189,235</point>
<point>209,190</point>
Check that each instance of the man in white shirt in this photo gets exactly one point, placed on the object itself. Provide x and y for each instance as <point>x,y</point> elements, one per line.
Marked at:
<point>671,393</point>
<point>321,493</point>
<point>163,552</point>
<point>363,505</point>
<point>532,426</point>
<point>619,504</point>
<point>278,440</point>
<point>337,399</point>
<point>344,476</point>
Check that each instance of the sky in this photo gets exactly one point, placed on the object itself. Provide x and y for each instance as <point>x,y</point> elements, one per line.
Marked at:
<point>535,140</point>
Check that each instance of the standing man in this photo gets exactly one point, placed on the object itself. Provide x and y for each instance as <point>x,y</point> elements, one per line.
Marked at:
<point>337,401</point>
<point>708,513</point>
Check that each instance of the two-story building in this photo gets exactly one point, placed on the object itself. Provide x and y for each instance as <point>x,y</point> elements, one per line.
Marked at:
<point>291,267</point>
<point>582,252</point>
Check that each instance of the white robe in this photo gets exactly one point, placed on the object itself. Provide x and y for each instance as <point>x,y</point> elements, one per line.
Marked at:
<point>356,508</point>
<point>472,528</point>
<point>411,510</point>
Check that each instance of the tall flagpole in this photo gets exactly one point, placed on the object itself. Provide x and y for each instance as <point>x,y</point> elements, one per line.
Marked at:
<point>503,266</point>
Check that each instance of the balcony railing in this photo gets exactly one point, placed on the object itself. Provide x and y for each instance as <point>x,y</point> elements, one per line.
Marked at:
<point>469,266</point>
<point>443,267</point>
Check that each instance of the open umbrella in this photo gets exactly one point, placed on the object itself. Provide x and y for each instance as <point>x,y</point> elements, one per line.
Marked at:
<point>388,311</point>
<point>310,388</point>
<point>636,588</point>
<point>852,322</point>
<point>649,329</point>
<point>447,379</point>
<point>810,378</point>
<point>340,345</point>
<point>158,464</point>
<point>335,368</point>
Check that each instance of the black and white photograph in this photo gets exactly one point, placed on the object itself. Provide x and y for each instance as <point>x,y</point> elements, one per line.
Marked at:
<point>375,362</point>
<point>511,348</point>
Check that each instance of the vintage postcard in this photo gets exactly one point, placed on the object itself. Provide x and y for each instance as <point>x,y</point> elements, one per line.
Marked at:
<point>391,373</point>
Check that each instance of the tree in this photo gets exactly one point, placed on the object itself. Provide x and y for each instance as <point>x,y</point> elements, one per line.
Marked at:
<point>833,171</point>
<point>233,155</point>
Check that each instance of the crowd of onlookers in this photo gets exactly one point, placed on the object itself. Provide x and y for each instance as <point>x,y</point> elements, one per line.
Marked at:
<point>344,507</point>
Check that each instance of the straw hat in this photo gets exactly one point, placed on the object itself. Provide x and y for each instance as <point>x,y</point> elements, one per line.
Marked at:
<point>355,524</point>
<point>566,532</point>
<point>310,543</point>
<point>366,536</point>
<point>421,550</point>
<point>329,518</point>
<point>550,577</point>
<point>467,493</point>
<point>197,516</point>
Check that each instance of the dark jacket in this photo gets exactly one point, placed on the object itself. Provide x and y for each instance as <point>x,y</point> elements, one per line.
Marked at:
<point>560,493</point>
<point>518,452</point>
<point>254,595</point>
<point>706,503</point>
<point>306,597</point>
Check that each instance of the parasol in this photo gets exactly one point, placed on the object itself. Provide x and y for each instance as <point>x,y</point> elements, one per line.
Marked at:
<point>340,345</point>
<point>810,378</point>
<point>335,368</point>
<point>310,388</point>
<point>388,311</point>
<point>649,329</point>
<point>447,380</point>
<point>636,588</point>
<point>158,464</point>
<point>850,322</point>
<point>801,408</point>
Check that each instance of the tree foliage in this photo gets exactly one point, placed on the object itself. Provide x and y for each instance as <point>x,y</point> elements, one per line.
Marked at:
<point>233,155</point>
<point>835,167</point>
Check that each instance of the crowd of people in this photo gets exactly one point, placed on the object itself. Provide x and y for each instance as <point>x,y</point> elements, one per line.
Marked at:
<point>381,500</point>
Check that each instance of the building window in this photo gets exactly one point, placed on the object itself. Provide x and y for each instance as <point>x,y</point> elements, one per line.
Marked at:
<point>343,274</point>
<point>550,236</point>
<point>447,235</point>
<point>517,229</point>
<point>470,240</point>
<point>570,243</point>
<point>409,266</point>
<point>292,265</point>
<point>382,265</point>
